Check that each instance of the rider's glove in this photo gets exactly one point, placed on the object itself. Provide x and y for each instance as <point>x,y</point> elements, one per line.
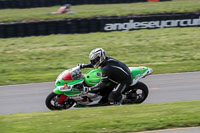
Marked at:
<point>81,65</point>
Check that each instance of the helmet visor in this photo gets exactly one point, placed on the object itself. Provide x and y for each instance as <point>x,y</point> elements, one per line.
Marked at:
<point>95,61</point>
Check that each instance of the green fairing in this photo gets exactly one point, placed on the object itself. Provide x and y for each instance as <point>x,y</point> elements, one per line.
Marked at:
<point>61,82</point>
<point>57,91</point>
<point>137,71</point>
<point>93,77</point>
<point>72,92</point>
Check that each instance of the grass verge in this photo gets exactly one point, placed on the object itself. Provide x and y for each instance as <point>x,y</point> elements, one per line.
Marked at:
<point>107,119</point>
<point>85,11</point>
<point>39,59</point>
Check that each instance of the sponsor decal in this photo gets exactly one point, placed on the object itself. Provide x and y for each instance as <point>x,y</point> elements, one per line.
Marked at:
<point>98,74</point>
<point>131,25</point>
<point>141,70</point>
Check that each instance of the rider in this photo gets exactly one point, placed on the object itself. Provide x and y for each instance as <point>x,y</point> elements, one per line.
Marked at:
<point>112,71</point>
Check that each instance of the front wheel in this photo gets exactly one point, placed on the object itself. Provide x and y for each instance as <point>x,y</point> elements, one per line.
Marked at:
<point>52,102</point>
<point>136,94</point>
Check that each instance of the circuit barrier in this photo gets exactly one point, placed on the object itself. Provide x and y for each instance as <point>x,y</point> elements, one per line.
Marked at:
<point>99,24</point>
<point>46,3</point>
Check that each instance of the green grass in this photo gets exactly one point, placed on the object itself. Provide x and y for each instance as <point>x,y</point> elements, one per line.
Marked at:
<point>39,59</point>
<point>85,11</point>
<point>118,119</point>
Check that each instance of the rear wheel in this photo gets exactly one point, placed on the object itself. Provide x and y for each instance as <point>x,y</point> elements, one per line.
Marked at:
<point>136,94</point>
<point>52,102</point>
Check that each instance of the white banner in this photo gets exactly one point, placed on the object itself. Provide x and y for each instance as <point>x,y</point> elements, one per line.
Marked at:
<point>131,25</point>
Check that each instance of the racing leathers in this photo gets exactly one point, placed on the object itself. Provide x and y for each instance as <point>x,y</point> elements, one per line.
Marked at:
<point>112,71</point>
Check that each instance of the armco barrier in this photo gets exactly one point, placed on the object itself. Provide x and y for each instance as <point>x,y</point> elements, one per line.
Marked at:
<point>99,24</point>
<point>46,3</point>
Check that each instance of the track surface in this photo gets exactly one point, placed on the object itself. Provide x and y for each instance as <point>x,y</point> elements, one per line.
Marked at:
<point>163,88</point>
<point>178,130</point>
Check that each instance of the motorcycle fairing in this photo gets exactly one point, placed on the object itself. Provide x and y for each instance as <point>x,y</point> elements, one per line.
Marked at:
<point>60,89</point>
<point>71,77</point>
<point>139,73</point>
<point>92,78</point>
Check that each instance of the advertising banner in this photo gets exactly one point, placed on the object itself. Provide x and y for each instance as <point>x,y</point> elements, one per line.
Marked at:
<point>133,25</point>
<point>152,21</point>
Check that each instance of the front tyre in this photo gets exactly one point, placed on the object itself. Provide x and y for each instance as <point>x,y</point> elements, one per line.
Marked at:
<point>52,102</point>
<point>136,94</point>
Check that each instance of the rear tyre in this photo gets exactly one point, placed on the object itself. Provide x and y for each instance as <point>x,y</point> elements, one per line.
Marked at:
<point>52,102</point>
<point>136,94</point>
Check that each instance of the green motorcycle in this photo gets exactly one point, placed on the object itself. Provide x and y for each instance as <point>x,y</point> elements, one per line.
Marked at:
<point>68,84</point>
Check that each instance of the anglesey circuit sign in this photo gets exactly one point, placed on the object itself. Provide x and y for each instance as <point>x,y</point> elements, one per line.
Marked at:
<point>131,25</point>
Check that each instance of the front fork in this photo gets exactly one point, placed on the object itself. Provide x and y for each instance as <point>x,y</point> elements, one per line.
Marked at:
<point>62,98</point>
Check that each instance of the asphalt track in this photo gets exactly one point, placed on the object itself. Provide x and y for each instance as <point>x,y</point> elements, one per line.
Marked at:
<point>177,130</point>
<point>163,88</point>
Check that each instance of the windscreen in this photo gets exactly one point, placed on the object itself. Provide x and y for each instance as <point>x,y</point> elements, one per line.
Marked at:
<point>76,73</point>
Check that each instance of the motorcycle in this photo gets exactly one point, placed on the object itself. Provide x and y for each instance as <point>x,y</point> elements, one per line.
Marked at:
<point>68,86</point>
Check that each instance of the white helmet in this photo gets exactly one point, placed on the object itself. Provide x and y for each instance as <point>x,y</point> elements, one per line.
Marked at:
<point>97,56</point>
